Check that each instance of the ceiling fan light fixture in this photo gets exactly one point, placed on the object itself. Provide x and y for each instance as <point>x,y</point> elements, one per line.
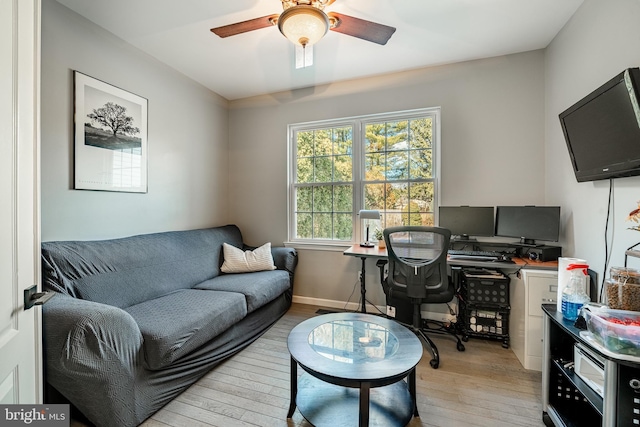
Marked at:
<point>303,25</point>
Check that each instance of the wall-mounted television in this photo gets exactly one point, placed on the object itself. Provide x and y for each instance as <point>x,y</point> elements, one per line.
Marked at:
<point>529,223</point>
<point>602,130</point>
<point>467,221</point>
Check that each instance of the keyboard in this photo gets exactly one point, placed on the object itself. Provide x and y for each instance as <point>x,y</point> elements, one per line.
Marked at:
<point>474,255</point>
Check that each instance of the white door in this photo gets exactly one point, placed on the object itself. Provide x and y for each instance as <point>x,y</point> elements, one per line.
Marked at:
<point>20,348</point>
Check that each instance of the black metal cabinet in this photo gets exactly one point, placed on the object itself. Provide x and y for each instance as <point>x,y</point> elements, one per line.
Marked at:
<point>568,400</point>
<point>483,295</point>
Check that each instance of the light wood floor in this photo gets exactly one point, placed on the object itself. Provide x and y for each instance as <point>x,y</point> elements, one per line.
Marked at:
<point>484,386</point>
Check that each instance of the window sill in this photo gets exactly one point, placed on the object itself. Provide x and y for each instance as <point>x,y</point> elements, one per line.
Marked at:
<point>319,246</point>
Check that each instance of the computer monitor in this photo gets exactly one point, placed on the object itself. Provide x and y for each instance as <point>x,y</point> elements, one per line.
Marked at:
<point>467,221</point>
<point>529,223</point>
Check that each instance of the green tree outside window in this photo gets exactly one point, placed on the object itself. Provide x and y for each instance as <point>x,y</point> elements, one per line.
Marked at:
<point>388,163</point>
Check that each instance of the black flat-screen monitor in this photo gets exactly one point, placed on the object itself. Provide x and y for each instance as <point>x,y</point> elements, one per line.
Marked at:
<point>467,221</point>
<point>529,223</point>
<point>602,130</point>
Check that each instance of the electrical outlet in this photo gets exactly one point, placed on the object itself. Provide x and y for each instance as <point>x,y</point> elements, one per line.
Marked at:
<point>391,311</point>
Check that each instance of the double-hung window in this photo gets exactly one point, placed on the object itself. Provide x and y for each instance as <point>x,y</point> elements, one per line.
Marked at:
<point>387,162</point>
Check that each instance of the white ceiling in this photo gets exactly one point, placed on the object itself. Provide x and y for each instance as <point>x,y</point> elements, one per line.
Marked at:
<point>429,32</point>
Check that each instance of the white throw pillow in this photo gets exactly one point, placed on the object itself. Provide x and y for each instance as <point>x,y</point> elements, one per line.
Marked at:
<point>239,261</point>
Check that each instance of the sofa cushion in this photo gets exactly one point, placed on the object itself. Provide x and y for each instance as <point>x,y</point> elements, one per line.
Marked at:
<point>124,272</point>
<point>238,261</point>
<point>178,323</point>
<point>258,288</point>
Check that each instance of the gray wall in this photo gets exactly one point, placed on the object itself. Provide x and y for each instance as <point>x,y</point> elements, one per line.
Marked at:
<point>212,162</point>
<point>601,40</point>
<point>188,136</point>
<point>492,149</point>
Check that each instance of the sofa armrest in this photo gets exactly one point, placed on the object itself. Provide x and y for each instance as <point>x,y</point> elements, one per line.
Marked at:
<point>285,258</point>
<point>92,354</point>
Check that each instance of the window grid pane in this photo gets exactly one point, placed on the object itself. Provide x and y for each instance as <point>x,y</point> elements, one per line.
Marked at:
<point>324,212</point>
<point>324,162</point>
<point>397,176</point>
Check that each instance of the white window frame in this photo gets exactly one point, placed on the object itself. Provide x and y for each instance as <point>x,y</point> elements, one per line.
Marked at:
<point>358,123</point>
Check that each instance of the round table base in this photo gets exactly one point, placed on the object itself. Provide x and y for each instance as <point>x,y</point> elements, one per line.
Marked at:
<point>324,404</point>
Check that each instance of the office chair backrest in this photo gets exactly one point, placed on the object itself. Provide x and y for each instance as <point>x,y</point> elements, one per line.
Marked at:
<point>418,259</point>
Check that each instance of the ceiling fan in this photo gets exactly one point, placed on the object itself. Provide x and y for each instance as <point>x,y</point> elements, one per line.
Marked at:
<point>304,22</point>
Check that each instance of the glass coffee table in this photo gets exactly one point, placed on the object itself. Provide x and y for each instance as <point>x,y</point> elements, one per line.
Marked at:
<point>355,365</point>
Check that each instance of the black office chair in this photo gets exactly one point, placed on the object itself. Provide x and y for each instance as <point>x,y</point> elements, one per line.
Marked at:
<point>417,274</point>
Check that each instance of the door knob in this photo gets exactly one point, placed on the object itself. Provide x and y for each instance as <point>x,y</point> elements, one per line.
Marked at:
<point>31,297</point>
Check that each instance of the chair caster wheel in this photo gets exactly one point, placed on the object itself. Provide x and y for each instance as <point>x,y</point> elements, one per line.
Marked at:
<point>465,338</point>
<point>434,363</point>
<point>460,346</point>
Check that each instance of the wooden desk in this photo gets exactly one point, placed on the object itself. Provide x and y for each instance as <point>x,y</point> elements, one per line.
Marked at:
<point>363,253</point>
<point>377,253</point>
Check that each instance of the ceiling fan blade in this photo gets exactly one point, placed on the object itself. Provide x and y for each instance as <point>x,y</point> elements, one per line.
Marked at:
<point>366,30</point>
<point>244,26</point>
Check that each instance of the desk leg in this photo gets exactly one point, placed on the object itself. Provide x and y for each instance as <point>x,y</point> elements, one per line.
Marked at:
<point>294,387</point>
<point>364,404</point>
<point>412,391</point>
<point>363,288</point>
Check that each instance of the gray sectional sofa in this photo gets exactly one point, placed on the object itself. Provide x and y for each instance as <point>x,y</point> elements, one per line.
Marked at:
<point>137,320</point>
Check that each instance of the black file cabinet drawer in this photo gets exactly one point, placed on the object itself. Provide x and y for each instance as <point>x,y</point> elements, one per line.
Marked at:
<point>483,322</point>
<point>485,291</point>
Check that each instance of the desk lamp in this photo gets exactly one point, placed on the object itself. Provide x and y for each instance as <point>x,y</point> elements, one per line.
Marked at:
<point>365,215</point>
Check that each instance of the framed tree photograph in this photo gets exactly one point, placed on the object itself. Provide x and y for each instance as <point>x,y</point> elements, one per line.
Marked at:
<point>110,126</point>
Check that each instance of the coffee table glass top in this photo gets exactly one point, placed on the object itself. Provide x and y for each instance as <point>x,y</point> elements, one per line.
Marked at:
<point>353,341</point>
<point>354,346</point>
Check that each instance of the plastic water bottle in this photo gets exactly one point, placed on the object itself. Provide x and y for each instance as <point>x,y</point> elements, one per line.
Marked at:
<point>574,295</point>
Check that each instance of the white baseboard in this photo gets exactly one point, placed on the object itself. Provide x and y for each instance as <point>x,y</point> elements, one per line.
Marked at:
<point>352,306</point>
